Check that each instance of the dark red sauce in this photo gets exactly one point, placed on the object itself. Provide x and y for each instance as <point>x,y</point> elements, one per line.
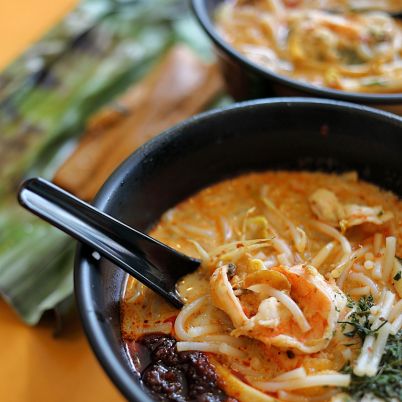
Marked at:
<point>175,376</point>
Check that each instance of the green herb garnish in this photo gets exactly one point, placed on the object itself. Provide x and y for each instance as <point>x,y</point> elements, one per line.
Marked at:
<point>387,384</point>
<point>359,319</point>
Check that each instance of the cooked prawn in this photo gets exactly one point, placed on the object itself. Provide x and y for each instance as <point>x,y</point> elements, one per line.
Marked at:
<point>297,308</point>
<point>327,208</point>
<point>223,297</point>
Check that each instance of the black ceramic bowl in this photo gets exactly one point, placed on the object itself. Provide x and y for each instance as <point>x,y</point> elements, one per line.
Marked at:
<point>247,80</point>
<point>289,133</point>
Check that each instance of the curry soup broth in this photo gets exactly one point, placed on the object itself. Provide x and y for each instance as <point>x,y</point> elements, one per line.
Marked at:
<point>272,222</point>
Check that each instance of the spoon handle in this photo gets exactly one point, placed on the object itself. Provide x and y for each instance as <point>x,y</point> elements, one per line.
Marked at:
<point>151,262</point>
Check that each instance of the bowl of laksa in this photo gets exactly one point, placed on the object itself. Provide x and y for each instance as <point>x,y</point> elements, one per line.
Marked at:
<point>293,207</point>
<point>340,49</point>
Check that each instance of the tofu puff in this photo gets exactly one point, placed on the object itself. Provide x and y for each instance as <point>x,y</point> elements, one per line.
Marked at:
<point>294,265</point>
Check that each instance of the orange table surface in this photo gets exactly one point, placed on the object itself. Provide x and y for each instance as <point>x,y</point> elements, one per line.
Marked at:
<point>35,366</point>
<point>22,22</point>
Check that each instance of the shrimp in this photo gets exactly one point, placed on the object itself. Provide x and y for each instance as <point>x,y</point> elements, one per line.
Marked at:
<point>357,214</point>
<point>297,308</point>
<point>223,297</point>
<point>327,208</point>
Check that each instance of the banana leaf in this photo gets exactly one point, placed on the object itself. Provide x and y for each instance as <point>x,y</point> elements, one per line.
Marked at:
<point>35,261</point>
<point>46,97</point>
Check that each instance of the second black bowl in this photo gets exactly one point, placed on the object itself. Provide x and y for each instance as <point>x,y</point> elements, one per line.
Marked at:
<point>247,80</point>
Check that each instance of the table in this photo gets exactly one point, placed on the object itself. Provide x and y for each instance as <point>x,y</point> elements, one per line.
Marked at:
<point>34,365</point>
<point>37,367</point>
<point>22,22</point>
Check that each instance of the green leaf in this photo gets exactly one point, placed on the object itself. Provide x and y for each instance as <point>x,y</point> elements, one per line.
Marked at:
<point>36,264</point>
<point>46,97</point>
<point>49,93</point>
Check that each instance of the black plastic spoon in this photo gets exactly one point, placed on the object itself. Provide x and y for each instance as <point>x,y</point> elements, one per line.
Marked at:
<point>153,263</point>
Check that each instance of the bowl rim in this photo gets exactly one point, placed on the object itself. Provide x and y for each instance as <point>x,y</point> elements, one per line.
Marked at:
<point>83,270</point>
<point>201,13</point>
